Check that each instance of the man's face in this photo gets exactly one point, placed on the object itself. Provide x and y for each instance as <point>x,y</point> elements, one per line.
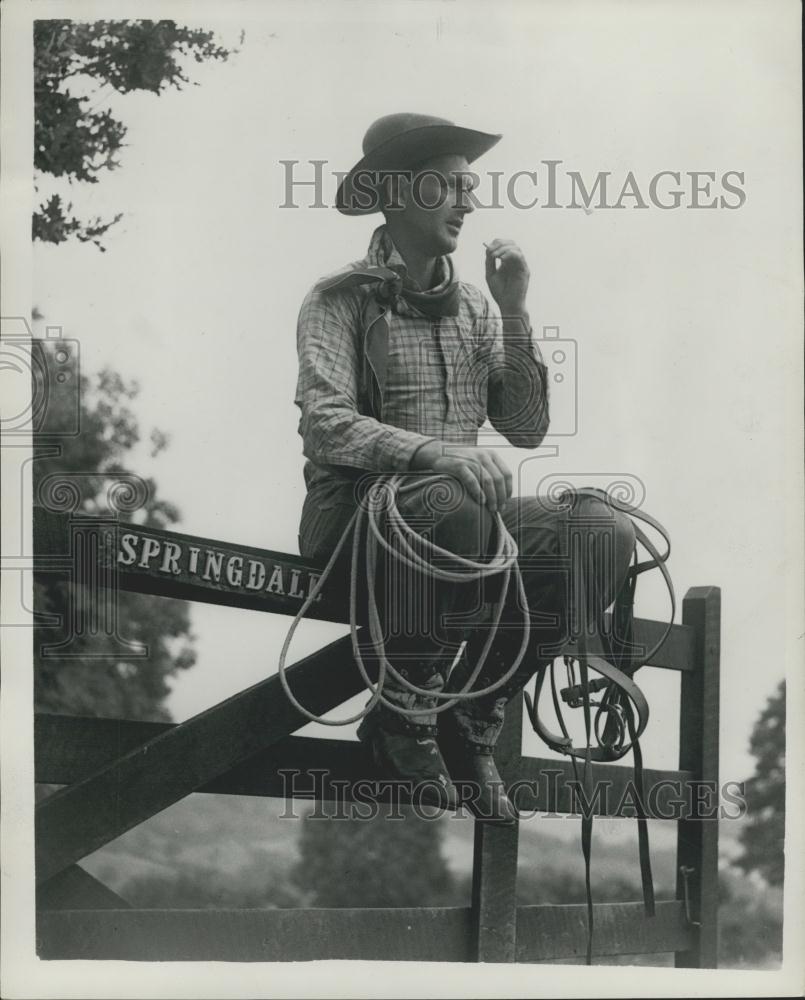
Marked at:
<point>435,203</point>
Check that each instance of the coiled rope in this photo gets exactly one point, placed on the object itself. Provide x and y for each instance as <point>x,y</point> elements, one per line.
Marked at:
<point>403,544</point>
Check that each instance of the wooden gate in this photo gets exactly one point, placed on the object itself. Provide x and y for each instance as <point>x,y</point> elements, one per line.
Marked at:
<point>117,773</point>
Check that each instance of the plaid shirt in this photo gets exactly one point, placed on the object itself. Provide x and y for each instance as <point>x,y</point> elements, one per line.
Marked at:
<point>444,378</point>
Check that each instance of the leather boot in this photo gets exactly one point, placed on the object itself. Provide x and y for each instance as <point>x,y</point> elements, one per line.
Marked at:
<point>404,748</point>
<point>478,781</point>
<point>414,757</point>
<point>486,796</point>
<point>470,731</point>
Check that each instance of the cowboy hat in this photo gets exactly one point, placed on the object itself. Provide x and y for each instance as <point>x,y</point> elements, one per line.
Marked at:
<point>399,142</point>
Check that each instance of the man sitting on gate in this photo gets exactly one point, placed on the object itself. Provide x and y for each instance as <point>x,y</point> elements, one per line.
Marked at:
<point>400,364</point>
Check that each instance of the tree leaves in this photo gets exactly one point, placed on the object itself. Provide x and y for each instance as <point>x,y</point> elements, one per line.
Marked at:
<point>375,862</point>
<point>124,675</point>
<point>764,834</point>
<point>71,138</point>
<point>55,223</point>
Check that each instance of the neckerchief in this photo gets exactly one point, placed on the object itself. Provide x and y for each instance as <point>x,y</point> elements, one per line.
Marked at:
<point>385,269</point>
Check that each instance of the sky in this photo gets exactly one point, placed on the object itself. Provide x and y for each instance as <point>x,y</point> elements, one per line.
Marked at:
<point>685,323</point>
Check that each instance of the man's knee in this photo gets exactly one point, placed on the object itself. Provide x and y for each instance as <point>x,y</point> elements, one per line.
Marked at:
<point>621,530</point>
<point>625,538</point>
<point>614,536</point>
<point>460,523</point>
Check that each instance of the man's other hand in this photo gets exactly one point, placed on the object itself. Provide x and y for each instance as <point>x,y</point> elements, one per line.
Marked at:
<point>485,475</point>
<point>507,275</point>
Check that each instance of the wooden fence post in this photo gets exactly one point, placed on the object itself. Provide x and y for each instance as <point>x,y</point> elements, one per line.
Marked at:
<point>494,865</point>
<point>697,839</point>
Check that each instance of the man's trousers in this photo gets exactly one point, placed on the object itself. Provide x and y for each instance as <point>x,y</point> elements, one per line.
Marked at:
<point>573,559</point>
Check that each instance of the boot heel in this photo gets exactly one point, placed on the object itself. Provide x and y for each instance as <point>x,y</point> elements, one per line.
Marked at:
<point>478,782</point>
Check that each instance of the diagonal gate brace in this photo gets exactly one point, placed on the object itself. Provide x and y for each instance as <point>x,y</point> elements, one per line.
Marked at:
<point>81,818</point>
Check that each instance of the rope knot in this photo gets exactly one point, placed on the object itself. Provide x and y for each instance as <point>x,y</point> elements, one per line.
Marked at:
<point>389,292</point>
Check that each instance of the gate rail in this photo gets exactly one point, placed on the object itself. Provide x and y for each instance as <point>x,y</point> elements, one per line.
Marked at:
<point>118,773</point>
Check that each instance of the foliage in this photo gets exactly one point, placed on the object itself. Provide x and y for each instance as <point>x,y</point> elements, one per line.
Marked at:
<point>763,836</point>
<point>101,675</point>
<point>54,222</point>
<point>71,138</point>
<point>751,910</point>
<point>199,887</point>
<point>563,883</point>
<point>750,922</point>
<point>374,863</point>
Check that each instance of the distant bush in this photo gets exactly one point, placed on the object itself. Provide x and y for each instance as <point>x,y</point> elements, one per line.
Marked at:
<point>254,887</point>
<point>379,862</point>
<point>750,922</point>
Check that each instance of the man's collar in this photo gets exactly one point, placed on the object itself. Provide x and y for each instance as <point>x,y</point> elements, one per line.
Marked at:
<point>383,253</point>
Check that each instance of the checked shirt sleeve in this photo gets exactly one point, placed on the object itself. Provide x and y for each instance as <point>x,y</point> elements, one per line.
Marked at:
<point>517,390</point>
<point>332,429</point>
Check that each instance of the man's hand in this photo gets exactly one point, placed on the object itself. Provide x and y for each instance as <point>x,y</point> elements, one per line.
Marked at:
<point>485,475</point>
<point>507,275</point>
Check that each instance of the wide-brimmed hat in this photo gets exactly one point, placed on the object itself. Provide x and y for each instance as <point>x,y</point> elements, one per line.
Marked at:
<point>399,142</point>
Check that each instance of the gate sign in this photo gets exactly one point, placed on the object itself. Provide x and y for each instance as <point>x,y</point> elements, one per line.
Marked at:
<point>186,567</point>
<point>212,565</point>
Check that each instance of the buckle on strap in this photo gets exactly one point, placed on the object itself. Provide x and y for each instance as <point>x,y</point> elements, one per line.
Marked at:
<point>686,871</point>
<point>573,696</point>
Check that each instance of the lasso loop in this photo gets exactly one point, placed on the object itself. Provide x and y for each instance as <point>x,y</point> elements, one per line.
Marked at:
<point>408,547</point>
